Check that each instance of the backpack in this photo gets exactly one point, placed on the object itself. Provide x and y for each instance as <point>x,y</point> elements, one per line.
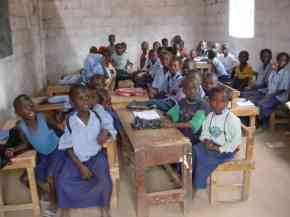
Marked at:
<point>68,124</point>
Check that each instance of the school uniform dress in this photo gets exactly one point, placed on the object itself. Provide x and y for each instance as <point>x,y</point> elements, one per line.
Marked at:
<point>224,130</point>
<point>160,81</point>
<point>152,68</point>
<point>92,65</point>
<point>45,142</point>
<point>121,62</point>
<point>72,191</point>
<point>220,70</point>
<point>278,80</point>
<point>228,62</point>
<point>239,77</point>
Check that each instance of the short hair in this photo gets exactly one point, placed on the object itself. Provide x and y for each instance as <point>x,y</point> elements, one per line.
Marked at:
<point>93,49</point>
<point>283,54</point>
<point>102,93</point>
<point>220,90</point>
<point>19,98</point>
<point>76,88</point>
<point>177,59</point>
<point>266,50</point>
<point>188,80</point>
<point>164,40</point>
<point>225,46</point>
<point>245,52</point>
<point>193,74</point>
<point>211,54</point>
<point>210,76</point>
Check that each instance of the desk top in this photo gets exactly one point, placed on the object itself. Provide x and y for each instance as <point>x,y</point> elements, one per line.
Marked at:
<point>245,111</point>
<point>150,138</point>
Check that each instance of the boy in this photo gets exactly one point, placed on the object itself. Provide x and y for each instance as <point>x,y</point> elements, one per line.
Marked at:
<point>220,139</point>
<point>219,68</point>
<point>209,81</point>
<point>227,59</point>
<point>165,43</point>
<point>144,55</point>
<point>111,47</point>
<point>243,73</point>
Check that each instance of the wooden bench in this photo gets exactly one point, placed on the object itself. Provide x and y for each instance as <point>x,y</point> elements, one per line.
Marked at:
<point>235,94</point>
<point>281,115</point>
<point>24,161</point>
<point>245,165</point>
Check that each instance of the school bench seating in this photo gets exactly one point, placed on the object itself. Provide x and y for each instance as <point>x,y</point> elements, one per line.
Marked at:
<point>243,162</point>
<point>24,161</point>
<point>281,115</point>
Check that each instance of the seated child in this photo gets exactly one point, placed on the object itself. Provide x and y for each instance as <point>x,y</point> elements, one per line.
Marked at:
<point>209,81</point>
<point>243,73</point>
<point>165,43</point>
<point>38,134</point>
<point>277,91</point>
<point>220,139</point>
<point>111,47</point>
<point>144,55</point>
<point>156,45</point>
<point>189,113</point>
<point>121,62</point>
<point>84,180</point>
<point>202,48</point>
<point>218,67</point>
<point>228,60</point>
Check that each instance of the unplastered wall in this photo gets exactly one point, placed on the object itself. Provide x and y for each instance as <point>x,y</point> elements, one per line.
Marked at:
<point>72,26</point>
<point>23,72</point>
<point>272,19</point>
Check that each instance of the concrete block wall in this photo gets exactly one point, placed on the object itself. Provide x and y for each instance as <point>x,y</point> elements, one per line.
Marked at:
<point>72,26</point>
<point>272,27</point>
<point>23,72</point>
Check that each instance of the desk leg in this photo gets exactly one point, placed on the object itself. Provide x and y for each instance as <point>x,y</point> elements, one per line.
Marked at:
<point>1,197</point>
<point>34,193</point>
<point>252,121</point>
<point>141,200</point>
<point>187,178</point>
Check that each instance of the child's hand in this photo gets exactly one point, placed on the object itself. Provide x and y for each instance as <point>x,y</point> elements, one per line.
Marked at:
<point>86,174</point>
<point>10,152</point>
<point>166,124</point>
<point>103,137</point>
<point>152,92</point>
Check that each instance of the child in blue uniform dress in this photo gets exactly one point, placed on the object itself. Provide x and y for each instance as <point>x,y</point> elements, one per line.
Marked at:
<point>220,138</point>
<point>85,178</point>
<point>36,133</point>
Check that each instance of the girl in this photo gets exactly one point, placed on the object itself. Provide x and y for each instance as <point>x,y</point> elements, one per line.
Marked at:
<point>209,81</point>
<point>220,138</point>
<point>243,73</point>
<point>189,113</point>
<point>218,67</point>
<point>85,179</point>
<point>37,133</point>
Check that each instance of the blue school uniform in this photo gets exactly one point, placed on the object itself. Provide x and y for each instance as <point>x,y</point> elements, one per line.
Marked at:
<point>224,130</point>
<point>160,80</point>
<point>45,142</point>
<point>72,191</point>
<point>220,70</point>
<point>92,65</point>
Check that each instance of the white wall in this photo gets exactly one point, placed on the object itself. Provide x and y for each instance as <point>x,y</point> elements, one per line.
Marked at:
<point>272,27</point>
<point>23,72</point>
<point>72,26</point>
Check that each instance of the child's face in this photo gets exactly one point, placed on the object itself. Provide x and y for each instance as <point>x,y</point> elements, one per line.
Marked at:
<point>225,51</point>
<point>25,109</point>
<point>174,67</point>
<point>156,45</point>
<point>97,81</point>
<point>153,56</point>
<point>165,60</point>
<point>112,39</point>
<point>190,91</point>
<point>94,99</point>
<point>266,57</point>
<point>203,45</point>
<point>218,103</point>
<point>282,61</point>
<point>81,100</point>
<point>208,84</point>
<point>243,58</point>
<point>193,54</point>
<point>144,46</point>
<point>165,43</point>
<point>119,50</point>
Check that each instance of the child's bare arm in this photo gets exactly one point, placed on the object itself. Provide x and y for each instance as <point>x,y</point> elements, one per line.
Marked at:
<point>103,137</point>
<point>85,172</point>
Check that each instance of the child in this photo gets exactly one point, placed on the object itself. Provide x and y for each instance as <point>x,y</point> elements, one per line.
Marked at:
<point>189,113</point>
<point>202,48</point>
<point>93,64</point>
<point>85,178</point>
<point>121,62</point>
<point>156,45</point>
<point>160,84</point>
<point>227,59</point>
<point>144,56</point>
<point>111,47</point>
<point>165,43</point>
<point>220,138</point>
<point>209,81</point>
<point>218,67</point>
<point>277,91</point>
<point>36,133</point>
<point>175,77</point>
<point>243,73</point>
<point>96,81</point>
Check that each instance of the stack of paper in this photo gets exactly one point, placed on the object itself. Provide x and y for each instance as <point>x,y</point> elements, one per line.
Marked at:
<point>288,105</point>
<point>147,115</point>
<point>244,102</point>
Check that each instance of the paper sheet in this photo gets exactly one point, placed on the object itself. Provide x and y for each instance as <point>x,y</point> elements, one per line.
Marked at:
<point>147,115</point>
<point>244,102</point>
<point>288,105</point>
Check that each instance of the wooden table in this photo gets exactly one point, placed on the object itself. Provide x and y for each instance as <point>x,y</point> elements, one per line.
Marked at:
<point>154,147</point>
<point>247,111</point>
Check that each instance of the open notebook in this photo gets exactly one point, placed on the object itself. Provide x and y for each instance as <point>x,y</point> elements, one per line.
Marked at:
<point>147,115</point>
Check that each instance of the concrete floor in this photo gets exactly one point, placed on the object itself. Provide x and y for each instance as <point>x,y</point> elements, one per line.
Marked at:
<point>269,196</point>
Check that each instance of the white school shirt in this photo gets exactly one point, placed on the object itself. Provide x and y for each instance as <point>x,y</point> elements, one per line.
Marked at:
<point>107,120</point>
<point>263,74</point>
<point>224,130</point>
<point>160,80</point>
<point>220,69</point>
<point>229,61</point>
<point>121,61</point>
<point>174,82</point>
<point>82,138</point>
<point>279,81</point>
<point>153,68</point>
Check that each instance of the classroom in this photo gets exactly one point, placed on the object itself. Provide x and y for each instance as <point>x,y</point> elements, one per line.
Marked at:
<point>144,108</point>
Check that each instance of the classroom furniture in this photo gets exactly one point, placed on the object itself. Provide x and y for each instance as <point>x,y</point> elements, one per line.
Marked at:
<point>119,102</point>
<point>235,94</point>
<point>280,115</point>
<point>247,111</point>
<point>25,161</point>
<point>155,147</point>
<point>243,163</point>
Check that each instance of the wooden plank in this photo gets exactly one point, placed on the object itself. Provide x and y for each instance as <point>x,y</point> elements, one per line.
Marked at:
<point>49,107</point>
<point>170,196</point>
<point>246,185</point>
<point>22,161</point>
<point>236,165</point>
<point>34,192</point>
<point>245,111</point>
<point>9,208</point>
<point>1,197</point>
<point>213,188</point>
<point>121,102</point>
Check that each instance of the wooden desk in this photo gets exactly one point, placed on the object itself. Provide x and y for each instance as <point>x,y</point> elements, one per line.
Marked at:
<point>157,147</point>
<point>120,102</point>
<point>247,111</point>
<point>25,161</point>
